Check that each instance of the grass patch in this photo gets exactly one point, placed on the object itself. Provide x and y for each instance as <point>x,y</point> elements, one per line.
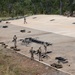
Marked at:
<point>12,63</point>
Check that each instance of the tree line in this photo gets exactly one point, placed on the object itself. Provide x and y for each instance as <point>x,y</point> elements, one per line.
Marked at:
<point>23,7</point>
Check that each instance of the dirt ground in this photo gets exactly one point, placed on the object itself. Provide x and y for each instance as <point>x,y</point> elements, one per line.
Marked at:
<point>58,24</point>
<point>12,63</point>
<point>63,46</point>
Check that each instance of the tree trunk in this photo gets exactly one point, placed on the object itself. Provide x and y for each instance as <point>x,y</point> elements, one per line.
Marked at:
<point>71,12</point>
<point>61,7</point>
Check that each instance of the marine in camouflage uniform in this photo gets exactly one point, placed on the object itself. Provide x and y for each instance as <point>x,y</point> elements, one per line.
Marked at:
<point>15,41</point>
<point>39,53</point>
<point>32,53</point>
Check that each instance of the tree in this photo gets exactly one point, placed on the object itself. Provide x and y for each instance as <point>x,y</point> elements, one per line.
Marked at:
<point>22,7</point>
<point>61,7</point>
<point>71,6</point>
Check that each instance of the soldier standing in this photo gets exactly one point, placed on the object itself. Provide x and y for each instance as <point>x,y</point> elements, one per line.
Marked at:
<point>25,20</point>
<point>15,41</point>
<point>32,53</point>
<point>39,53</point>
<point>45,46</point>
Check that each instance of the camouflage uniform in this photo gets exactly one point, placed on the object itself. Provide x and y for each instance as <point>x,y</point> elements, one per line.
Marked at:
<point>15,41</point>
<point>25,20</point>
<point>32,53</point>
<point>45,46</point>
<point>39,53</point>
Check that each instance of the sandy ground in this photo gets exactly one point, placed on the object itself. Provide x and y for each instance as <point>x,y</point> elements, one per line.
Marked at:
<point>13,63</point>
<point>62,45</point>
<point>45,28</point>
<point>50,23</point>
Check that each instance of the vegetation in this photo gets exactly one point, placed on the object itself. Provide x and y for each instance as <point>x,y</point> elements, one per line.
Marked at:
<point>12,63</point>
<point>23,7</point>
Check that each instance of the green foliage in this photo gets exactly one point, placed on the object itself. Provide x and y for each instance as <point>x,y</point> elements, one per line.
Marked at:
<point>22,7</point>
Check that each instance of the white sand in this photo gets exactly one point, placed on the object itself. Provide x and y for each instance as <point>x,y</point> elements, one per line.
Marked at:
<point>61,24</point>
